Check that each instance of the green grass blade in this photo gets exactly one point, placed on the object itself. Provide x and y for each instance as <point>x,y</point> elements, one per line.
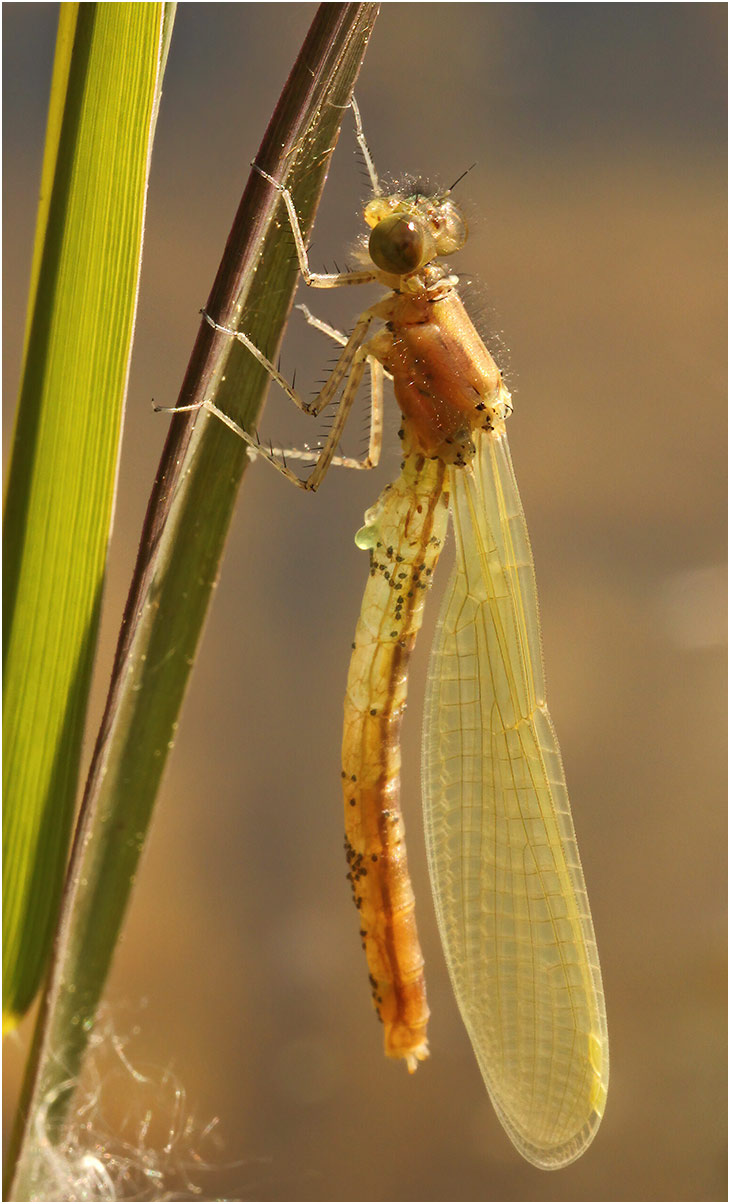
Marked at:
<point>181,547</point>
<point>63,468</point>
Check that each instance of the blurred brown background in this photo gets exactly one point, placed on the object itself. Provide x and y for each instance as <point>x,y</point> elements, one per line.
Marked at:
<point>598,232</point>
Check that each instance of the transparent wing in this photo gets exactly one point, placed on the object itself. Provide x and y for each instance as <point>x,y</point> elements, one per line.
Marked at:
<point>505,871</point>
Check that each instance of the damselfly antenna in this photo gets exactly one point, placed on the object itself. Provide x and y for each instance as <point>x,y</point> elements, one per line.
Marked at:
<point>460,178</point>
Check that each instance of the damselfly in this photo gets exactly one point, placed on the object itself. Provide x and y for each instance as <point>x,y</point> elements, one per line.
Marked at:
<point>507,881</point>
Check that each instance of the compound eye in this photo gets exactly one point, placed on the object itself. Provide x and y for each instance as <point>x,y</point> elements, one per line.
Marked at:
<point>452,230</point>
<point>396,245</point>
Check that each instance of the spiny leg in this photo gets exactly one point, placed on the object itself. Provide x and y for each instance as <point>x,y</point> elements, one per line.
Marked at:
<point>364,148</point>
<point>325,456</point>
<point>375,439</point>
<point>377,372</point>
<point>326,394</point>
<point>342,414</point>
<point>338,337</point>
<point>349,367</point>
<point>255,449</point>
<point>362,143</point>
<point>375,442</point>
<point>341,369</point>
<point>324,327</point>
<point>332,280</point>
<point>313,279</point>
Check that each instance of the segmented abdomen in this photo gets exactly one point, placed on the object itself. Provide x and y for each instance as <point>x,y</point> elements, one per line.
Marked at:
<point>405,532</point>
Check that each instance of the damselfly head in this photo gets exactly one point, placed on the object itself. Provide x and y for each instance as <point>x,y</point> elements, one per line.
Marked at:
<point>410,231</point>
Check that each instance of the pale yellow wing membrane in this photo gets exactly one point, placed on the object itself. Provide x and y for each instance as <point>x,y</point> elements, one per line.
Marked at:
<point>507,881</point>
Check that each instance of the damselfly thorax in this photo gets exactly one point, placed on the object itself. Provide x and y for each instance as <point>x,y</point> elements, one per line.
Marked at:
<point>445,381</point>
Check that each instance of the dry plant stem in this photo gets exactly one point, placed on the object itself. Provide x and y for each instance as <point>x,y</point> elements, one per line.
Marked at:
<point>182,540</point>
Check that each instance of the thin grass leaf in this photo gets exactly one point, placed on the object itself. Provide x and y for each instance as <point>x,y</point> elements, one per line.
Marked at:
<point>181,547</point>
<point>63,468</point>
